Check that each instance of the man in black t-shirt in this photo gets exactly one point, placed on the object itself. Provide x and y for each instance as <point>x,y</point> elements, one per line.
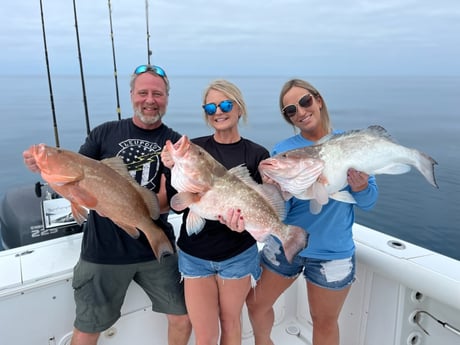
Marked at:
<point>110,259</point>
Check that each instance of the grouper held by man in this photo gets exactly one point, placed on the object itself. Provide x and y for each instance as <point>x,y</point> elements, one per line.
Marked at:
<point>105,187</point>
<point>319,172</point>
<point>208,189</point>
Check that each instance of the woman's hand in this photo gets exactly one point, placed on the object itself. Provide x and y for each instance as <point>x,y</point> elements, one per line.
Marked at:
<point>166,158</point>
<point>357,180</point>
<point>233,220</point>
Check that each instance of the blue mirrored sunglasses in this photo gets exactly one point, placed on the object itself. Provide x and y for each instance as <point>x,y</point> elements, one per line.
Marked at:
<point>144,68</point>
<point>211,108</point>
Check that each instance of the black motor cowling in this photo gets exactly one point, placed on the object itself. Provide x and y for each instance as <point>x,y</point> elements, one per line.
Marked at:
<point>21,220</point>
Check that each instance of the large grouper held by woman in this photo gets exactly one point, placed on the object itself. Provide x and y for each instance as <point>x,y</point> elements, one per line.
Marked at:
<point>319,172</point>
<point>105,187</point>
<point>208,189</point>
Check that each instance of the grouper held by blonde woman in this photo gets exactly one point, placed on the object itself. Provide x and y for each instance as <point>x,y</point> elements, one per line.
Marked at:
<point>209,190</point>
<point>319,172</point>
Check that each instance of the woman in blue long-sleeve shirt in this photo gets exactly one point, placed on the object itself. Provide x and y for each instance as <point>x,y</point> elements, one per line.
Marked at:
<point>328,262</point>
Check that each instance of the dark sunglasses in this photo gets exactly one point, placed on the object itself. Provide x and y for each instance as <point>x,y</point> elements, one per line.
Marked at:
<point>304,101</point>
<point>144,68</point>
<point>211,108</point>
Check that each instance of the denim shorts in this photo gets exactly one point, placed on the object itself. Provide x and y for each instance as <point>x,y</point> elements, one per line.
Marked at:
<point>237,267</point>
<point>99,290</point>
<point>329,274</point>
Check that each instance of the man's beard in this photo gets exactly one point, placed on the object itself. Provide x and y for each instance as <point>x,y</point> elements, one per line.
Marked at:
<point>148,120</point>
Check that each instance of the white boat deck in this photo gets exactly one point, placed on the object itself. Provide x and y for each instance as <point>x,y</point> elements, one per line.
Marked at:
<point>393,283</point>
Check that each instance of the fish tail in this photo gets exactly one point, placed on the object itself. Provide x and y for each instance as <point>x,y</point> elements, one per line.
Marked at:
<point>295,240</point>
<point>159,242</point>
<point>425,164</point>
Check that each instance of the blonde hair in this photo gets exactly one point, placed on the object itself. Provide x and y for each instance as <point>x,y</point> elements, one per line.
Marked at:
<point>231,91</point>
<point>325,120</point>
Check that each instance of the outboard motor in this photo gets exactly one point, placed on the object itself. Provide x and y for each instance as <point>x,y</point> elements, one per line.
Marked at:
<point>30,214</point>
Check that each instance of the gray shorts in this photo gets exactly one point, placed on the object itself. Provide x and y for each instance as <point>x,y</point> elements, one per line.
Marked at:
<point>99,290</point>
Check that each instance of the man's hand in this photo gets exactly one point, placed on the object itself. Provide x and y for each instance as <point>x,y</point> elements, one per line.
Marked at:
<point>30,162</point>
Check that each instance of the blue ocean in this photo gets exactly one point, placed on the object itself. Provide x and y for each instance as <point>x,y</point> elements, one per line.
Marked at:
<point>419,112</point>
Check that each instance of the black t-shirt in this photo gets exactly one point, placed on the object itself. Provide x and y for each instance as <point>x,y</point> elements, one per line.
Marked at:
<point>103,241</point>
<point>216,241</point>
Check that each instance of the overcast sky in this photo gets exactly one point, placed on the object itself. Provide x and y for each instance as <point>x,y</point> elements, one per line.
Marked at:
<point>237,37</point>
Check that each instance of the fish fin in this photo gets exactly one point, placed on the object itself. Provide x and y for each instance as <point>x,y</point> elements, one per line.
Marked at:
<point>425,164</point>
<point>117,164</point>
<point>318,196</point>
<point>269,192</point>
<point>84,198</point>
<point>194,223</point>
<point>241,171</point>
<point>393,169</point>
<point>273,196</point>
<point>324,139</point>
<point>320,193</point>
<point>129,229</point>
<point>315,207</point>
<point>182,200</point>
<point>190,183</point>
<point>79,213</point>
<point>378,131</point>
<point>294,241</point>
<point>343,196</point>
<point>158,240</point>
<point>286,195</point>
<point>308,194</point>
<point>151,200</point>
<point>60,179</point>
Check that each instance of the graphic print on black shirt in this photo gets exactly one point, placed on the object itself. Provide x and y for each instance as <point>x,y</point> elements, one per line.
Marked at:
<point>142,158</point>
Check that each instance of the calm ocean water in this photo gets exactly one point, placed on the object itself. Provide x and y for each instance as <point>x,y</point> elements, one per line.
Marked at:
<point>419,112</point>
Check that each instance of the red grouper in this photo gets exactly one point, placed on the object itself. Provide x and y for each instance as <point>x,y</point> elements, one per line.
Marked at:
<point>208,189</point>
<point>105,187</point>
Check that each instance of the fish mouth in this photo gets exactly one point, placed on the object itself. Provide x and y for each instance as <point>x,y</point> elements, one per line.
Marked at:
<point>267,166</point>
<point>39,152</point>
<point>273,169</point>
<point>267,163</point>
<point>180,147</point>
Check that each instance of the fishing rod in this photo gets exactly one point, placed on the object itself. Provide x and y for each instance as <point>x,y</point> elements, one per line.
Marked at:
<point>149,52</point>
<point>115,73</point>
<point>85,103</point>
<point>56,133</point>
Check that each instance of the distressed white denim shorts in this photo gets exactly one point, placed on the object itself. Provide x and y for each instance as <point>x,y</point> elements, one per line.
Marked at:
<point>329,274</point>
